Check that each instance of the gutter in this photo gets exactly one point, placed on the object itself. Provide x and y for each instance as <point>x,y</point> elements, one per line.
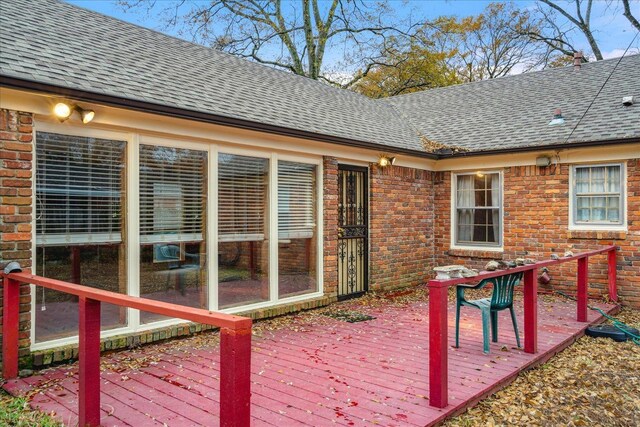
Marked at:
<point>148,107</point>
<point>560,146</point>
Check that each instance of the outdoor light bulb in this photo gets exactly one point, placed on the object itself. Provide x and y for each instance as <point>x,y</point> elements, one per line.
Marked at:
<point>383,161</point>
<point>87,115</point>
<point>62,111</point>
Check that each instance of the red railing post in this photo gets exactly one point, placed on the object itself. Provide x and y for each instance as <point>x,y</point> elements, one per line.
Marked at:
<point>438,345</point>
<point>531,311</point>
<point>89,362</point>
<point>583,273</point>
<point>235,377</point>
<point>611,263</point>
<point>10,327</point>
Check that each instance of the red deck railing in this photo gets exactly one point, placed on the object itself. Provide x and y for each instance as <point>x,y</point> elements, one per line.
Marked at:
<point>235,344</point>
<point>438,291</point>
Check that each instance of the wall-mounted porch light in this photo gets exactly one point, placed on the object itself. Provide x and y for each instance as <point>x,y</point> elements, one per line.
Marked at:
<point>63,111</point>
<point>385,160</point>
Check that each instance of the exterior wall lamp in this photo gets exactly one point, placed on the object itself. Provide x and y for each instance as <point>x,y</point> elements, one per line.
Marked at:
<point>63,111</point>
<point>385,160</point>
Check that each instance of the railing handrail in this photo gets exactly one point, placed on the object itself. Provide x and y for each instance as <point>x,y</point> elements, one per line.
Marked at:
<point>235,343</point>
<point>438,307</point>
<point>537,265</point>
<point>193,314</point>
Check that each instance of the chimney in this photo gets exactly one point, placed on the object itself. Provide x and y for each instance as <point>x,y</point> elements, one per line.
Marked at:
<point>577,60</point>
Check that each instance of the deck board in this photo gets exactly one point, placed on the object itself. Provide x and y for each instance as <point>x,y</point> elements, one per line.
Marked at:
<point>324,373</point>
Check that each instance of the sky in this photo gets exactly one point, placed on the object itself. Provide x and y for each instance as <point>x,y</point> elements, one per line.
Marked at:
<point>614,32</point>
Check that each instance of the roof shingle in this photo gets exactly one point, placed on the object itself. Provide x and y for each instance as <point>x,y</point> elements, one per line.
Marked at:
<point>58,44</point>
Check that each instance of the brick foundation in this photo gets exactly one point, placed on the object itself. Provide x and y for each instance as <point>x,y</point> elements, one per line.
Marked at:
<point>536,217</point>
<point>16,204</point>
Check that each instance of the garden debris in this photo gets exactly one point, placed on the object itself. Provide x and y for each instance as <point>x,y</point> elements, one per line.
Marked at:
<point>594,382</point>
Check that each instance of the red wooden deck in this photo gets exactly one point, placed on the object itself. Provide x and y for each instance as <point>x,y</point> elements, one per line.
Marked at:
<point>315,371</point>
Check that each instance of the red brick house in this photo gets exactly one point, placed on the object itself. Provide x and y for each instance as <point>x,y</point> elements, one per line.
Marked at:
<point>210,181</point>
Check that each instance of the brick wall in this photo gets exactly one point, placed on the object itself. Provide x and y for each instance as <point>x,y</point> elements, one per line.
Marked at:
<point>16,154</point>
<point>401,226</point>
<point>536,216</point>
<point>330,214</point>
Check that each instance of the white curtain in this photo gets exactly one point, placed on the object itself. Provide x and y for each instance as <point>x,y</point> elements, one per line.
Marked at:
<point>465,203</point>
<point>495,202</point>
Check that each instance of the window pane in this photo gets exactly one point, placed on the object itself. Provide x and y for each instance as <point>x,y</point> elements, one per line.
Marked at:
<point>79,225</point>
<point>613,208</point>
<point>465,196</point>
<point>98,266</point>
<point>297,245</point>
<point>613,179</point>
<point>243,225</point>
<point>173,201</point>
<point>582,180</point>
<point>597,180</point>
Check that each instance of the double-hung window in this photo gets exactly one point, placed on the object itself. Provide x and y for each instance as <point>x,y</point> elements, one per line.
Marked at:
<point>477,209</point>
<point>597,196</point>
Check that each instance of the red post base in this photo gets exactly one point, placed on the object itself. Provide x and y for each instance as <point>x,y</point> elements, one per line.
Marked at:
<point>89,362</point>
<point>438,345</point>
<point>582,288</point>
<point>10,322</point>
<point>235,377</point>
<point>613,289</point>
<point>531,311</point>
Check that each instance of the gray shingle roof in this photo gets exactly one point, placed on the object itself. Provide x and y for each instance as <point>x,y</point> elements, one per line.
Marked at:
<point>58,44</point>
<point>515,111</point>
<point>63,45</point>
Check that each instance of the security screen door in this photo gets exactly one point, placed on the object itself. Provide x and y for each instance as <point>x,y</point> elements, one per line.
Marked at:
<point>353,247</point>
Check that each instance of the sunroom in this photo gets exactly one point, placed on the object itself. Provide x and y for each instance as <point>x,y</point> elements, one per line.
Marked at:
<point>199,224</point>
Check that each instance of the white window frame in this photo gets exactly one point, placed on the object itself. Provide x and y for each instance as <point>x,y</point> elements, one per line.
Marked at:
<point>498,247</point>
<point>598,226</point>
<point>132,221</point>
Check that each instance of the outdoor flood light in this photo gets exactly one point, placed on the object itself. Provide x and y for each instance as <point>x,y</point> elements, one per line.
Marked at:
<point>386,160</point>
<point>63,111</point>
<point>86,115</point>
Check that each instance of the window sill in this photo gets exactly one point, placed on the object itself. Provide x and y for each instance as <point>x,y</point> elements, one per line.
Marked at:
<point>483,253</point>
<point>597,234</point>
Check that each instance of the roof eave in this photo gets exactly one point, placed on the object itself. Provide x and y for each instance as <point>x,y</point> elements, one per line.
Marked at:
<point>148,107</point>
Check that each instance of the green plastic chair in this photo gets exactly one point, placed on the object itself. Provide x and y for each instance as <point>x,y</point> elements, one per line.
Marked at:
<point>501,299</point>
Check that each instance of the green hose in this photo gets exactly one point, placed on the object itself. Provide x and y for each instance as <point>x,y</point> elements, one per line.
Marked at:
<point>618,324</point>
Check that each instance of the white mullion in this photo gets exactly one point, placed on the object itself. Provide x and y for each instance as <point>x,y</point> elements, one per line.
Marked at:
<point>133,226</point>
<point>273,228</point>
<point>212,227</point>
<point>320,228</point>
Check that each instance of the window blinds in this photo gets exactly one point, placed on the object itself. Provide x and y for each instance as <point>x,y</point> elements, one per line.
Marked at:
<point>78,189</point>
<point>296,200</point>
<point>242,197</point>
<point>172,194</point>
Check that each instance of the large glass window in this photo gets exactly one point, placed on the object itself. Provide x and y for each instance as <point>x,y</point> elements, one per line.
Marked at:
<point>173,195</point>
<point>597,195</point>
<point>477,209</point>
<point>79,224</point>
<point>297,245</point>
<point>243,227</point>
